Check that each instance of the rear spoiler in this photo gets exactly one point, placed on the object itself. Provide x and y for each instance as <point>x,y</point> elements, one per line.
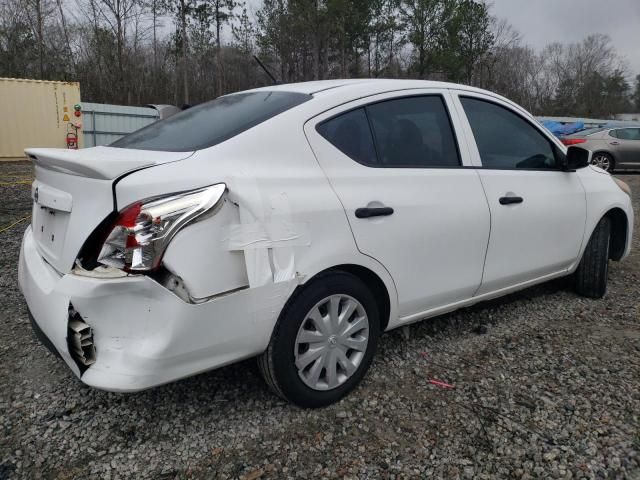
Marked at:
<point>100,162</point>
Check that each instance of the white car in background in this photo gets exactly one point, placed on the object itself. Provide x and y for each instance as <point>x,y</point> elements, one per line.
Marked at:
<point>298,222</point>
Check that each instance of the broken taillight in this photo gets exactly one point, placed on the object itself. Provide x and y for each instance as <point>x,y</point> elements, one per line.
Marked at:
<point>143,230</point>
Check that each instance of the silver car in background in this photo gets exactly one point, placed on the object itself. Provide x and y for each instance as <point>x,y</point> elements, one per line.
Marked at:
<point>613,148</point>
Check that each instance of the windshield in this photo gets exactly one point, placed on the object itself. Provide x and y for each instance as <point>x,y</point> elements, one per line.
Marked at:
<point>212,122</point>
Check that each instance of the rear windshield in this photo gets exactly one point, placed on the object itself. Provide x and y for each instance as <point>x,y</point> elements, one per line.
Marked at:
<point>212,122</point>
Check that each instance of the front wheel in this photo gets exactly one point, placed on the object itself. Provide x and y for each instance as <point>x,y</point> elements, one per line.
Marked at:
<point>590,279</point>
<point>603,160</point>
<point>324,341</point>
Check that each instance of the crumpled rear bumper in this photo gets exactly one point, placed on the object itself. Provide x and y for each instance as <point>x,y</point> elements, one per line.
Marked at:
<point>144,335</point>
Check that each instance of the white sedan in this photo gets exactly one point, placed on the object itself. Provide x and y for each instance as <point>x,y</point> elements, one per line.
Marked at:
<point>296,223</point>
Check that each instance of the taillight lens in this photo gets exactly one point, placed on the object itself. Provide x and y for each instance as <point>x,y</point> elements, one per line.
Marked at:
<point>572,141</point>
<point>143,230</point>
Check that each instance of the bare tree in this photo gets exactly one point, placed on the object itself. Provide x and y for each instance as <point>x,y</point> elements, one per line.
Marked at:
<point>38,12</point>
<point>120,54</point>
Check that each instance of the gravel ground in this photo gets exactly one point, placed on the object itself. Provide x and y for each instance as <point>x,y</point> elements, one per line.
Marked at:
<point>546,385</point>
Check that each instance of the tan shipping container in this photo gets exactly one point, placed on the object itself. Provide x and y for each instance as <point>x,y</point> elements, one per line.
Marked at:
<point>35,113</point>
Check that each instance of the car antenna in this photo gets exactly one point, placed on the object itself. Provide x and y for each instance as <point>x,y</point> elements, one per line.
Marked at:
<point>266,70</point>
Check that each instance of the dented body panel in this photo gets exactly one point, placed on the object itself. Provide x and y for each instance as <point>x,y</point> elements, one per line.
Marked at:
<point>289,223</point>
<point>144,334</point>
<point>217,271</point>
<point>280,225</point>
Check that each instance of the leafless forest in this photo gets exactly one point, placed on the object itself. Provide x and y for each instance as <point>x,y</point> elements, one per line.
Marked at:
<point>188,51</point>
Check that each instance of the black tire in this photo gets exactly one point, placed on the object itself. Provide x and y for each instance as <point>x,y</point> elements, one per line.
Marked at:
<point>590,279</point>
<point>609,158</point>
<point>277,363</point>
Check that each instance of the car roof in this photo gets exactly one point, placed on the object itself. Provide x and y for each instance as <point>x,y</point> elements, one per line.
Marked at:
<point>587,132</point>
<point>382,84</point>
<point>329,93</point>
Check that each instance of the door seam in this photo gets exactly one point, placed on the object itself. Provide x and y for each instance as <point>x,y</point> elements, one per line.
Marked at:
<point>344,211</point>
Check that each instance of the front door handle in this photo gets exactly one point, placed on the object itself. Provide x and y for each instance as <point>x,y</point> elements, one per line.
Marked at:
<point>614,143</point>
<point>510,200</point>
<point>373,212</point>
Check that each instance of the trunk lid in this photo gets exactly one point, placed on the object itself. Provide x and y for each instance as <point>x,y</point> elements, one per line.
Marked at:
<point>73,192</point>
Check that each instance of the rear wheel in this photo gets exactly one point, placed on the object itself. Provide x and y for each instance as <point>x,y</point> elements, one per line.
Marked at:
<point>603,160</point>
<point>324,341</point>
<point>590,279</point>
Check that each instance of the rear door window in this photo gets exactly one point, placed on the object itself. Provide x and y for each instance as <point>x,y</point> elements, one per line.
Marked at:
<point>408,132</point>
<point>628,133</point>
<point>414,132</point>
<point>505,140</point>
<point>350,133</point>
<point>212,122</point>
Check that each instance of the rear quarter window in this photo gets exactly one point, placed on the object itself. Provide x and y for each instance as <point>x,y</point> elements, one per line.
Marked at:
<point>350,133</point>
<point>213,122</point>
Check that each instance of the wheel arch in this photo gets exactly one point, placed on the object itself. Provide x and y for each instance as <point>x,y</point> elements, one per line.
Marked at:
<point>377,286</point>
<point>619,230</point>
<point>372,280</point>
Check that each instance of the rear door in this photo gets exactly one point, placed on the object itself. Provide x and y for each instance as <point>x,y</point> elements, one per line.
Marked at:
<point>538,211</point>
<point>395,164</point>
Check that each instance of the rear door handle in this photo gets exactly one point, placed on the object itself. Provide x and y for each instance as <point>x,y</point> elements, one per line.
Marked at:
<point>510,200</point>
<point>373,212</point>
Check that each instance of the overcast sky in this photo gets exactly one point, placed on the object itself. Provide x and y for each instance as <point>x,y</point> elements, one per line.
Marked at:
<point>544,21</point>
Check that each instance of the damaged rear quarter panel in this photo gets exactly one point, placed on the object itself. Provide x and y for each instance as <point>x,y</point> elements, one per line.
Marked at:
<point>282,222</point>
<point>198,255</point>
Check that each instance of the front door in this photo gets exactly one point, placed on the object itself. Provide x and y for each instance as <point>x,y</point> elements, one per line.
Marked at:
<point>398,170</point>
<point>538,211</point>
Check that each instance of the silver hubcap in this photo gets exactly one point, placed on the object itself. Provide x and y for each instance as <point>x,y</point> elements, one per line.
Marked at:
<point>601,161</point>
<point>331,342</point>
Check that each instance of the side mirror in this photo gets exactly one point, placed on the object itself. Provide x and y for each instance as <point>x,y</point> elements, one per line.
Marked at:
<point>576,158</point>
